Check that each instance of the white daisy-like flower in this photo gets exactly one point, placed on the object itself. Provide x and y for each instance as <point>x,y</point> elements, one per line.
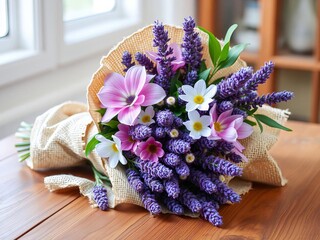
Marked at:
<point>146,117</point>
<point>111,150</point>
<point>198,126</point>
<point>198,97</point>
<point>171,101</point>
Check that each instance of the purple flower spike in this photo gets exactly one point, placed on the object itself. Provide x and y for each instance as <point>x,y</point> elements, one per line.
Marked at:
<point>273,98</point>
<point>143,60</point>
<point>191,78</point>
<point>165,118</point>
<point>127,60</point>
<point>211,214</point>
<point>191,45</point>
<point>223,189</point>
<point>232,156</point>
<point>100,197</point>
<point>182,170</point>
<point>154,169</point>
<point>150,203</point>
<point>172,187</point>
<point>160,132</point>
<point>207,143</point>
<point>188,199</point>
<point>178,146</point>
<point>231,86</point>
<point>224,106</point>
<point>201,180</point>
<point>171,159</point>
<point>173,205</point>
<point>221,166</point>
<point>259,77</point>
<point>140,132</point>
<point>134,180</point>
<point>154,184</point>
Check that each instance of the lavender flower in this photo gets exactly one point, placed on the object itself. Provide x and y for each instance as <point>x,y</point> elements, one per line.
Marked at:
<point>160,132</point>
<point>171,159</point>
<point>178,146</point>
<point>227,192</point>
<point>154,184</point>
<point>224,106</point>
<point>223,147</point>
<point>221,166</point>
<point>173,205</point>
<point>160,41</point>
<point>188,199</point>
<point>232,156</point>
<point>140,132</point>
<point>207,143</point>
<point>201,180</point>
<point>150,203</point>
<point>172,187</point>
<point>231,86</point>
<point>165,118</point>
<point>211,214</point>
<point>143,60</point>
<point>237,111</point>
<point>127,60</point>
<point>191,45</point>
<point>191,78</point>
<point>182,170</point>
<point>153,169</point>
<point>177,122</point>
<point>134,180</point>
<point>273,98</point>
<point>185,136</point>
<point>259,77</point>
<point>100,197</point>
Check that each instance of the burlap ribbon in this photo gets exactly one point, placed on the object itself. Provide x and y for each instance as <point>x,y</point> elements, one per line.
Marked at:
<point>59,135</point>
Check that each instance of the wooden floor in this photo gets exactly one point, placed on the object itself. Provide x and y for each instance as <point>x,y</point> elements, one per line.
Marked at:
<point>29,211</point>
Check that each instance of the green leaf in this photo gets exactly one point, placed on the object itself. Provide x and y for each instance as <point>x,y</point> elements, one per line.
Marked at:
<point>91,145</point>
<point>203,66</point>
<point>252,111</point>
<point>251,123</point>
<point>174,83</point>
<point>233,55</point>
<point>217,81</point>
<point>205,74</point>
<point>102,111</point>
<point>229,33</point>
<point>224,52</point>
<point>270,122</point>
<point>260,125</point>
<point>113,124</point>
<point>214,46</point>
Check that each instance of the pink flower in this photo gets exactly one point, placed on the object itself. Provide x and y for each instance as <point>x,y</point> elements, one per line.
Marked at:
<point>177,53</point>
<point>127,143</point>
<point>125,95</point>
<point>227,126</point>
<point>150,150</point>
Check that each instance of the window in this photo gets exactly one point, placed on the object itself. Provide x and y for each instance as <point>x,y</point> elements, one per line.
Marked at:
<point>77,9</point>
<point>4,23</point>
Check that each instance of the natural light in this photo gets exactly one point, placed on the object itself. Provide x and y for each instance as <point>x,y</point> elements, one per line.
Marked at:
<point>4,29</point>
<point>76,9</point>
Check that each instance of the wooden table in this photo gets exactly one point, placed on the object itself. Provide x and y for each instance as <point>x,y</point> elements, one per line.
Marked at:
<point>29,211</point>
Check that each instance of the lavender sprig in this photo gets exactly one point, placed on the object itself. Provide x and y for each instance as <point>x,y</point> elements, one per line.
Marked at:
<point>150,203</point>
<point>172,187</point>
<point>173,205</point>
<point>201,180</point>
<point>178,146</point>
<point>140,132</point>
<point>191,46</point>
<point>188,199</point>
<point>153,169</point>
<point>211,214</point>
<point>134,180</point>
<point>154,184</point>
<point>100,197</point>
<point>143,60</point>
<point>171,159</point>
<point>272,98</point>
<point>127,60</point>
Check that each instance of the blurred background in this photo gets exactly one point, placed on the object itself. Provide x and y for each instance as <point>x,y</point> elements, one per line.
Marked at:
<point>50,49</point>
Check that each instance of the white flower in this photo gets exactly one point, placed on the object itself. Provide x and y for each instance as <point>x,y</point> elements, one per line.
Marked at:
<point>146,117</point>
<point>198,97</point>
<point>198,126</point>
<point>111,150</point>
<point>171,101</point>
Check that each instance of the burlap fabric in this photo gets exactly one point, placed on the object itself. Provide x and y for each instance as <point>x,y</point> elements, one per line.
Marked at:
<point>59,138</point>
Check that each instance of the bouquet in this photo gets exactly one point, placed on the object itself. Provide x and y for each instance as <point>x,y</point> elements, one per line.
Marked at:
<point>175,119</point>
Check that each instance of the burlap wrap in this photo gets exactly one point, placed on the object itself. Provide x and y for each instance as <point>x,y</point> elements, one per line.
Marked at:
<point>59,135</point>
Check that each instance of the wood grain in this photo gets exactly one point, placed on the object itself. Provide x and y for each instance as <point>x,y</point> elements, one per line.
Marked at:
<point>29,211</point>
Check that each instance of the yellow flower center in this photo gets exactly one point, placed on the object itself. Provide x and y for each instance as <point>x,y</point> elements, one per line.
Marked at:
<point>145,119</point>
<point>197,126</point>
<point>217,126</point>
<point>115,148</point>
<point>198,99</point>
